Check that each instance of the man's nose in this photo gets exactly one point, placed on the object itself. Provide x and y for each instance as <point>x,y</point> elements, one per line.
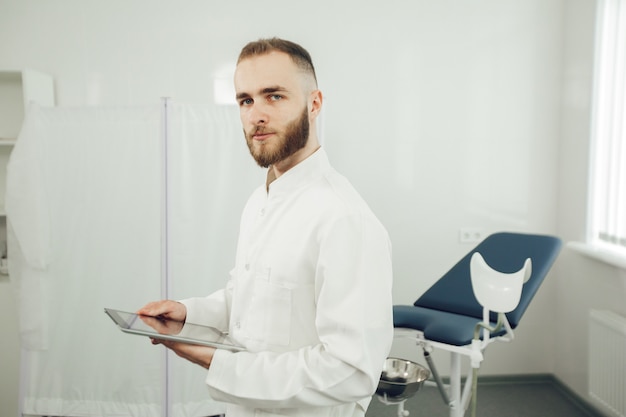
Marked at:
<point>258,115</point>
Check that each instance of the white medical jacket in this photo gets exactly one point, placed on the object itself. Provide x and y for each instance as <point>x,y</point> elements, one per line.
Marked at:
<point>309,298</point>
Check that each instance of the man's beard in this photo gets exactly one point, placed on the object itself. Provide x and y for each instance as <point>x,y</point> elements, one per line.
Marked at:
<point>294,138</point>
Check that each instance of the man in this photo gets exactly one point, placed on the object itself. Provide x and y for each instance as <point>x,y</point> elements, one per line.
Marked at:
<point>310,294</point>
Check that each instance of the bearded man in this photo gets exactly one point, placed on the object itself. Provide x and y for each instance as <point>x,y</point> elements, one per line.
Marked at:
<point>309,297</point>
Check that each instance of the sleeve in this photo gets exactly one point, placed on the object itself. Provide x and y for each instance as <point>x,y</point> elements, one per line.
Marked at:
<point>353,322</point>
<point>212,311</point>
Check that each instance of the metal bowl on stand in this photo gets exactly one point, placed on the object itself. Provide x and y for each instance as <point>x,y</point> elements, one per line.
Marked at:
<point>400,380</point>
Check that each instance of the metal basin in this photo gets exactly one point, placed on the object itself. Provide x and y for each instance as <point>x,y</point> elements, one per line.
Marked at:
<point>400,380</point>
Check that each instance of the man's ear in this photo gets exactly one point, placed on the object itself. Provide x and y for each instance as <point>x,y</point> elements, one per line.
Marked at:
<point>315,100</point>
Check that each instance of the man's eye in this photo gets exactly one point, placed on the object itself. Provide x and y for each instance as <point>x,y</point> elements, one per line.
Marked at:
<point>245,102</point>
<point>275,97</point>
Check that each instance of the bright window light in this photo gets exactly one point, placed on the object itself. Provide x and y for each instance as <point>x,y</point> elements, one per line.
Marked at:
<point>224,91</point>
<point>223,88</point>
<point>607,226</point>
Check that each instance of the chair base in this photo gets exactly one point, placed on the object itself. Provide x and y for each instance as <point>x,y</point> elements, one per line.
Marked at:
<point>457,394</point>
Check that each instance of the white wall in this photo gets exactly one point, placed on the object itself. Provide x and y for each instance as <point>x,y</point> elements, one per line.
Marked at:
<point>445,114</point>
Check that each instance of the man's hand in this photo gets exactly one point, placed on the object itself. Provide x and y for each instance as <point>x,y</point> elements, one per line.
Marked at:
<point>163,326</point>
<point>200,355</point>
<point>165,308</point>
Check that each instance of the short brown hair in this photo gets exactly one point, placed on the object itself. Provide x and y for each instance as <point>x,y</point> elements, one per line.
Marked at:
<point>298,54</point>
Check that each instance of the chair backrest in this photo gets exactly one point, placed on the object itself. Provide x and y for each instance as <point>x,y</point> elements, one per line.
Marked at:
<point>505,252</point>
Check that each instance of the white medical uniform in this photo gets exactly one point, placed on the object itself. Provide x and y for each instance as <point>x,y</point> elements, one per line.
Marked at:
<point>309,298</point>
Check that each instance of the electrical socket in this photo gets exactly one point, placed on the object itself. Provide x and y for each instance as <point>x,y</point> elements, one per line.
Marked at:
<point>471,235</point>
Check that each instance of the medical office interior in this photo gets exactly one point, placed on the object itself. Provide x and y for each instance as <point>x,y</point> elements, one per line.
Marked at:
<point>455,119</point>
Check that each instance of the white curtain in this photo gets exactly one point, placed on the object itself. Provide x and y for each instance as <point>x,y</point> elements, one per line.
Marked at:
<point>114,207</point>
<point>211,174</point>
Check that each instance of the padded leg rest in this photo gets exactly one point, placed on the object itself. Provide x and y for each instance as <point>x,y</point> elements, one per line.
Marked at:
<point>438,326</point>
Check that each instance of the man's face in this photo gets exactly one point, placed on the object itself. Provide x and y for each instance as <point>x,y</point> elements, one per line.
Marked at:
<point>273,107</point>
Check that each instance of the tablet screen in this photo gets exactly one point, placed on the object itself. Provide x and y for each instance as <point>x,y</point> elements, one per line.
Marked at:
<point>162,328</point>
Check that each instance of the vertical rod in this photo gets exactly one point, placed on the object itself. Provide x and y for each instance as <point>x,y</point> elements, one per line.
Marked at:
<point>165,265</point>
<point>24,378</point>
<point>456,408</point>
<point>437,378</point>
<point>165,204</point>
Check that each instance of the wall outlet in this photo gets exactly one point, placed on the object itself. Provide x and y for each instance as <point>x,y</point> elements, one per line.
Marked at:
<point>471,235</point>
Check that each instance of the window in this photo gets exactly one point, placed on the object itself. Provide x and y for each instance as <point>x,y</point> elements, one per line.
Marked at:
<point>607,225</point>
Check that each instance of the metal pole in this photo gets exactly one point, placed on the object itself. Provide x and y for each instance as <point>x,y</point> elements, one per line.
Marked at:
<point>165,264</point>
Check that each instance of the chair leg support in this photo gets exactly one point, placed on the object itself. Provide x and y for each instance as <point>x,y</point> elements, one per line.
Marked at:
<point>456,400</point>
<point>437,378</point>
<point>468,389</point>
<point>474,390</point>
<point>460,400</point>
<point>456,407</point>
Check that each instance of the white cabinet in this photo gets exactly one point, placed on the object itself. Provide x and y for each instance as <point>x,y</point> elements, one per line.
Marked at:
<point>17,89</point>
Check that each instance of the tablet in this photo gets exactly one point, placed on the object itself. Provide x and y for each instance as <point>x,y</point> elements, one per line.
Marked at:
<point>167,329</point>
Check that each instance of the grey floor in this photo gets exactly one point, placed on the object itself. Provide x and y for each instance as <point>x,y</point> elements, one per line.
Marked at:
<point>540,398</point>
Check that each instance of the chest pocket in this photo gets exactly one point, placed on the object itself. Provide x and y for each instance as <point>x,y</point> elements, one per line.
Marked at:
<point>269,314</point>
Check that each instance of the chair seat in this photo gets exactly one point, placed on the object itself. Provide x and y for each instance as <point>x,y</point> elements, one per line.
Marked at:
<point>439,326</point>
